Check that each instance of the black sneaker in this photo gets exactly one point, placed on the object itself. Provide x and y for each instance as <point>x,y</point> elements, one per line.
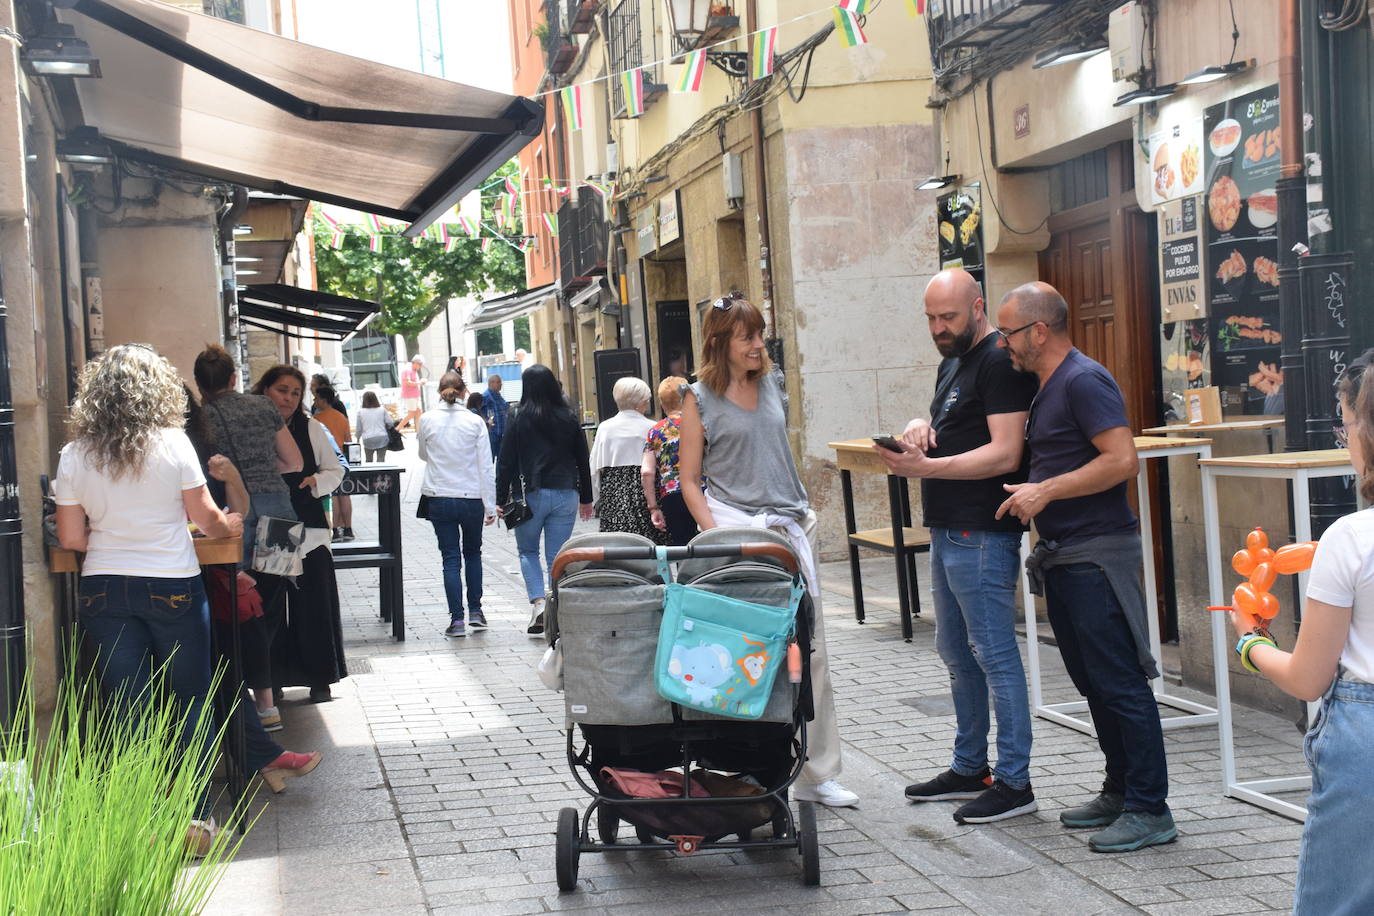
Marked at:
<point>456,630</point>
<point>997,804</point>
<point>950,786</point>
<point>477,621</point>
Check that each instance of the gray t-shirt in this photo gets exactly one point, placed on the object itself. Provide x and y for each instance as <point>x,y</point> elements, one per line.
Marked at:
<point>243,428</point>
<point>747,459</point>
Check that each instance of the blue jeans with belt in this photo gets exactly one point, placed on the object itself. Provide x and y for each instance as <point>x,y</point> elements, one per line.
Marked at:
<point>458,528</point>
<point>1101,656</point>
<point>1336,868</point>
<point>973,577</point>
<point>140,623</point>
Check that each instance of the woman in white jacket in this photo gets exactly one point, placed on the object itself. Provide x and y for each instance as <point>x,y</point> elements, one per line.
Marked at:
<point>308,651</point>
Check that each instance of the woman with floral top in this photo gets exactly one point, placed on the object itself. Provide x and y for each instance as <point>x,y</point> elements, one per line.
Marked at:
<point>658,472</point>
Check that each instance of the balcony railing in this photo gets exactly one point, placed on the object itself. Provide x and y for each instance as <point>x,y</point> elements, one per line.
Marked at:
<point>581,15</point>
<point>557,39</point>
<point>971,39</point>
<point>625,43</point>
<point>982,22</point>
<point>582,234</point>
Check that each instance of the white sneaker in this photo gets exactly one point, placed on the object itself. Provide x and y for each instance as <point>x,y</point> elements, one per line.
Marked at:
<point>829,793</point>
<point>536,627</point>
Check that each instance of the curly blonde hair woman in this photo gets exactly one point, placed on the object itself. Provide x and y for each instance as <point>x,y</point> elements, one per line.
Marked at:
<point>126,483</point>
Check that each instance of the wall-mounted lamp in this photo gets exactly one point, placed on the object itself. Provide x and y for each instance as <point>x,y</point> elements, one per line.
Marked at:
<point>1210,74</point>
<point>655,179</point>
<point>56,51</point>
<point>936,182</point>
<point>1146,96</point>
<point>84,146</point>
<point>1067,53</point>
<point>243,229</point>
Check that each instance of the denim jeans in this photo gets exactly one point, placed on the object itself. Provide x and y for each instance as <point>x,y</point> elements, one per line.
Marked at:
<point>555,512</point>
<point>1100,655</point>
<point>458,527</point>
<point>973,575</point>
<point>1335,869</point>
<point>140,623</point>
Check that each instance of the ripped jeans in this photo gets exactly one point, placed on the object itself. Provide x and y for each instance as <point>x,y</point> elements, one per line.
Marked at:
<point>137,624</point>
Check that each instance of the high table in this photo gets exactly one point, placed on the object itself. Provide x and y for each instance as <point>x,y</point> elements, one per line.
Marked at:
<point>384,482</point>
<point>1265,424</point>
<point>902,540</point>
<point>1071,713</point>
<point>1299,469</point>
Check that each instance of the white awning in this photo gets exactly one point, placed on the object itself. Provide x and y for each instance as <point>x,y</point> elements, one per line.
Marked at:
<point>496,312</point>
<point>583,295</point>
<point>216,98</point>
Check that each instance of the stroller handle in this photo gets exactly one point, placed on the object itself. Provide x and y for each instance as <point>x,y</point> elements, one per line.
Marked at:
<point>601,554</point>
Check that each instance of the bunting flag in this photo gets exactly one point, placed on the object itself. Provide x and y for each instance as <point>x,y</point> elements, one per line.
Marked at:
<point>512,186</point>
<point>847,25</point>
<point>486,243</point>
<point>329,221</point>
<point>374,222</point>
<point>761,56</point>
<point>632,82</point>
<point>374,243</point>
<point>469,226</point>
<point>857,7</point>
<point>599,187</point>
<point>441,232</point>
<point>336,239</point>
<point>572,106</point>
<point>915,8</point>
<point>451,244</point>
<point>692,71</point>
<point>551,221</point>
<point>560,192</point>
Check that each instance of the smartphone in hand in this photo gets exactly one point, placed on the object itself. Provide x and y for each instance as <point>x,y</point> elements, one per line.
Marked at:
<point>888,442</point>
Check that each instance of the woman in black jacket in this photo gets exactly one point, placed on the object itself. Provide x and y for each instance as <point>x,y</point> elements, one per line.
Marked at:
<point>545,453</point>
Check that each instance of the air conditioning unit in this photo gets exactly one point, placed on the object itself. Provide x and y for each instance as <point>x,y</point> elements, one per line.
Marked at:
<point>1126,40</point>
<point>612,158</point>
<point>732,173</point>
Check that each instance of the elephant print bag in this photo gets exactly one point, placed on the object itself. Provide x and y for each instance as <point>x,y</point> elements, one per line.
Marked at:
<point>720,654</point>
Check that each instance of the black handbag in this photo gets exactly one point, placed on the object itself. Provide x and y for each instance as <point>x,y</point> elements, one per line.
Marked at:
<point>393,440</point>
<point>516,511</point>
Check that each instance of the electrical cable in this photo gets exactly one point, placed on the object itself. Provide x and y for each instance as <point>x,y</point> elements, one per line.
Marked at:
<point>1235,32</point>
<point>987,191</point>
<point>1351,15</point>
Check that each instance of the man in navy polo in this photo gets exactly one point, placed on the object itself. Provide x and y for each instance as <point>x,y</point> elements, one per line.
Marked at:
<point>1087,563</point>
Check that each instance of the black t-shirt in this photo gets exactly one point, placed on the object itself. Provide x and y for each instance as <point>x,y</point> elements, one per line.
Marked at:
<point>967,389</point>
<point>1080,400</point>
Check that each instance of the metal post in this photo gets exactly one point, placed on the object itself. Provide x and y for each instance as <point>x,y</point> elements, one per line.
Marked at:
<point>1291,190</point>
<point>12,661</point>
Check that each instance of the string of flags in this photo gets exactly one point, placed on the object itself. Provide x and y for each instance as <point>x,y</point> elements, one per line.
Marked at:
<point>763,48</point>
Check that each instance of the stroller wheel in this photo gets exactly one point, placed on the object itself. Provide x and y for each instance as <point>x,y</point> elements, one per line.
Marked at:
<point>644,834</point>
<point>568,849</point>
<point>808,844</point>
<point>607,825</point>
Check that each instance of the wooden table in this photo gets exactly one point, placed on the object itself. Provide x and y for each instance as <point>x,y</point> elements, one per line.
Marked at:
<point>1298,468</point>
<point>902,539</point>
<point>209,552</point>
<point>1265,423</point>
<point>1072,713</point>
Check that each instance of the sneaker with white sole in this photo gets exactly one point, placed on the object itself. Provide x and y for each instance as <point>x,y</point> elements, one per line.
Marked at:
<point>950,786</point>
<point>536,627</point>
<point>477,620</point>
<point>829,793</point>
<point>456,630</point>
<point>998,803</point>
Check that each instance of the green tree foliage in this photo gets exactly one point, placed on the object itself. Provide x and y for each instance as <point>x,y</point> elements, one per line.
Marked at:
<point>414,281</point>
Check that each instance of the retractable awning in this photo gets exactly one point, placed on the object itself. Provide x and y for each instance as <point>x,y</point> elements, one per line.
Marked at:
<point>278,307</point>
<point>495,312</point>
<point>193,92</point>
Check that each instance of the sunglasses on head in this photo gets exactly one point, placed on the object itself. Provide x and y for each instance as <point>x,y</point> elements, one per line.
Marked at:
<point>727,302</point>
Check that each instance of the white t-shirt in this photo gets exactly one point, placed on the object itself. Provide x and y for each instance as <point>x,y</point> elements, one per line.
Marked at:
<point>1343,575</point>
<point>138,522</point>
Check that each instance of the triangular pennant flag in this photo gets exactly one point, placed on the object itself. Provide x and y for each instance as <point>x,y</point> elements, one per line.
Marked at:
<point>857,7</point>
<point>603,189</point>
<point>451,244</point>
<point>470,226</point>
<point>847,25</point>
<point>329,221</point>
<point>336,240</point>
<point>486,243</point>
<point>374,243</point>
<point>512,186</point>
<point>551,221</point>
<point>374,222</point>
<point>559,192</point>
<point>915,8</point>
<point>572,106</point>
<point>692,71</point>
<point>632,82</point>
<point>761,55</point>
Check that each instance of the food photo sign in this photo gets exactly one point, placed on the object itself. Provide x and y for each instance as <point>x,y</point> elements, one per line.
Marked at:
<point>1241,164</point>
<point>1176,161</point>
<point>960,214</point>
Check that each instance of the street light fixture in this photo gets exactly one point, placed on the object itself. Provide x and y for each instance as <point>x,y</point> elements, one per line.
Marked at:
<point>84,146</point>
<point>694,22</point>
<point>1067,53</point>
<point>1145,96</point>
<point>936,182</point>
<point>58,52</point>
<point>1211,74</point>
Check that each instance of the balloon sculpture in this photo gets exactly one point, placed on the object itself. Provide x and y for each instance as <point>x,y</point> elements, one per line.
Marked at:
<point>1262,566</point>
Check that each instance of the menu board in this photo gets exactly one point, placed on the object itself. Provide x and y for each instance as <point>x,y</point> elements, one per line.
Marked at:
<point>1176,161</point>
<point>1241,158</point>
<point>1180,260</point>
<point>961,233</point>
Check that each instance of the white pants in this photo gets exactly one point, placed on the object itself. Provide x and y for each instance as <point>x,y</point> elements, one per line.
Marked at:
<point>822,733</point>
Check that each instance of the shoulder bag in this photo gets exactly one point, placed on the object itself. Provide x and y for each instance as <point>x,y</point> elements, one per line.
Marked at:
<point>276,541</point>
<point>516,511</point>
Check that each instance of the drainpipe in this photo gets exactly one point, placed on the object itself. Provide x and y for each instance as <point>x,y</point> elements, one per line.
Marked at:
<point>238,204</point>
<point>1291,191</point>
<point>770,330</point>
<point>12,661</point>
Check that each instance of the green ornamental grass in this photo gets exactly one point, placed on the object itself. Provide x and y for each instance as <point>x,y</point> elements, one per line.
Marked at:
<point>94,812</point>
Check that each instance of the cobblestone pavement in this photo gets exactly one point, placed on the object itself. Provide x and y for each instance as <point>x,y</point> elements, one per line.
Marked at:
<point>445,768</point>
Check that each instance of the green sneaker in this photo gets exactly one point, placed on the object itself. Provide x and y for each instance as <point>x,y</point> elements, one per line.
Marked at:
<point>1135,830</point>
<point>1100,812</point>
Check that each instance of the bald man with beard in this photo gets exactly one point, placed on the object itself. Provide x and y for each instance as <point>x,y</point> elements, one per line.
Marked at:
<point>969,448</point>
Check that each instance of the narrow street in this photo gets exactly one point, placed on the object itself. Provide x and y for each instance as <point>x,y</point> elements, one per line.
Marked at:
<point>445,769</point>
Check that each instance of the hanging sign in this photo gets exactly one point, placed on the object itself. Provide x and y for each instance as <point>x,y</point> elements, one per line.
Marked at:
<point>960,215</point>
<point>1180,260</point>
<point>669,219</point>
<point>1241,157</point>
<point>646,230</point>
<point>1176,161</point>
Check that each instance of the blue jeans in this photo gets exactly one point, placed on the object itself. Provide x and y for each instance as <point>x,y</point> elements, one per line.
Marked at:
<point>973,576</point>
<point>1335,869</point>
<point>1100,655</point>
<point>555,512</point>
<point>140,623</point>
<point>458,527</point>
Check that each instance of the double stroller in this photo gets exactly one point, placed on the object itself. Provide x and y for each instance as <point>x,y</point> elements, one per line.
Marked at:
<point>712,782</point>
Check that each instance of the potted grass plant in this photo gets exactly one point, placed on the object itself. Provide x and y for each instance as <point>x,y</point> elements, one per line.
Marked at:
<point>94,808</point>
